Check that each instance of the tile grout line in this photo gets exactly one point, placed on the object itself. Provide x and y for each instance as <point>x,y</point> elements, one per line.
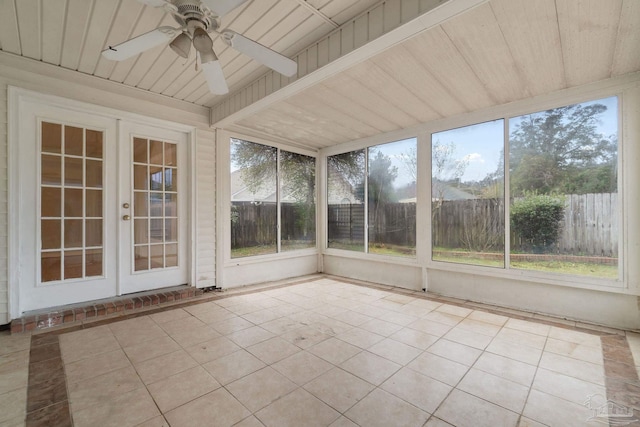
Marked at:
<point>612,359</point>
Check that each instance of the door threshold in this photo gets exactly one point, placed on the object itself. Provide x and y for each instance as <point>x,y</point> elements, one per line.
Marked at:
<point>34,321</point>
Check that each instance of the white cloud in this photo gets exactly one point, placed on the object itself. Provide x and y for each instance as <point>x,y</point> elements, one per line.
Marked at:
<point>474,158</point>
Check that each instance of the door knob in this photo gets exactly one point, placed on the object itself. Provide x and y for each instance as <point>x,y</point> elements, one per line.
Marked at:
<point>126,217</point>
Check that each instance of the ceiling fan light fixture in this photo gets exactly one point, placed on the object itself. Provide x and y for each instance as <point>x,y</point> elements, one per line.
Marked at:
<point>181,45</point>
<point>201,40</point>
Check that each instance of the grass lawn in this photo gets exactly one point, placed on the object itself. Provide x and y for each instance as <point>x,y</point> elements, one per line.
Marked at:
<point>556,266</point>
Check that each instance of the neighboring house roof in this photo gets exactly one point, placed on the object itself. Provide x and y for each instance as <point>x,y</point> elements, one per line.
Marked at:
<point>443,191</point>
<point>240,192</point>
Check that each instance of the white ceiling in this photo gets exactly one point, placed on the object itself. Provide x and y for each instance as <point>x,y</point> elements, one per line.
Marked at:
<point>72,33</point>
<point>498,52</point>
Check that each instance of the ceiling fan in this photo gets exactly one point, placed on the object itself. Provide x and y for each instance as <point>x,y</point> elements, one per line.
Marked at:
<point>197,19</point>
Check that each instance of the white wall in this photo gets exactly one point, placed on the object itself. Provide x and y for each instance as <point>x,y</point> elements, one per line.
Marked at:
<point>42,78</point>
<point>607,302</point>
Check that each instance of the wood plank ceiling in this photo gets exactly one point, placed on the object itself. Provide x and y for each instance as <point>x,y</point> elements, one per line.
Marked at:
<point>499,52</point>
<point>496,53</point>
<point>72,33</point>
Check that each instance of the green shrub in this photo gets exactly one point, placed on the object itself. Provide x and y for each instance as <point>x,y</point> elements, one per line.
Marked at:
<point>537,219</point>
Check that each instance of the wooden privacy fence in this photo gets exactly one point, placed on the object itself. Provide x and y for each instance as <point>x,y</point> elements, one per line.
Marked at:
<point>255,224</point>
<point>590,225</point>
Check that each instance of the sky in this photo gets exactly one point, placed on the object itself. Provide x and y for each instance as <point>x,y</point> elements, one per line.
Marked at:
<point>482,143</point>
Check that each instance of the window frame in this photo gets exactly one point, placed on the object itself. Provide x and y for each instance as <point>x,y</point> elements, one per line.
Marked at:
<point>423,133</point>
<point>365,144</point>
<point>223,197</point>
<point>507,113</point>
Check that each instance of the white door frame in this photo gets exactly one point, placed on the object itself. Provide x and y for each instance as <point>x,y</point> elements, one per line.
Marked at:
<point>17,97</point>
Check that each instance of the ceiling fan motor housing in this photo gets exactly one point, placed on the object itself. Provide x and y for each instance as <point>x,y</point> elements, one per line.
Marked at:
<point>193,14</point>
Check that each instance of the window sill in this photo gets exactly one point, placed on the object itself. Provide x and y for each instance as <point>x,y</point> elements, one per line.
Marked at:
<point>581,282</point>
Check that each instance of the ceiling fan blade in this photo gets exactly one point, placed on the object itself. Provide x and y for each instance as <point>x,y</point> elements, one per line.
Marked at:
<point>260,53</point>
<point>212,71</point>
<point>222,7</point>
<point>139,44</point>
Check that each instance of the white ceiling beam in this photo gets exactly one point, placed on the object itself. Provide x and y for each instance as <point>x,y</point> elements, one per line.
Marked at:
<point>428,20</point>
<point>316,12</point>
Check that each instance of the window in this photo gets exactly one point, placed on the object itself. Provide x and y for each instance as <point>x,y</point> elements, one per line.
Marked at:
<point>563,185</point>
<point>270,211</point>
<point>467,194</point>
<point>563,205</point>
<point>386,174</point>
<point>345,187</point>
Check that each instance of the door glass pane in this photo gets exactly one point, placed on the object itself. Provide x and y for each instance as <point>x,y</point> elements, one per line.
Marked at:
<point>140,177</point>
<point>73,205</point>
<point>155,199</point>
<point>157,258</point>
<point>141,258</point>
<point>93,232</point>
<point>64,184</point>
<point>170,230</point>
<point>51,138</point>
<point>171,255</point>
<point>94,173</point>
<point>51,170</point>
<point>73,141</point>
<point>51,234</point>
<point>73,263</point>
<point>155,204</point>
<point>72,172</point>
<point>155,230</point>
<point>139,150</point>
<point>155,178</point>
<point>94,144</point>
<point>93,262</point>
<point>73,233</point>
<point>93,203</point>
<point>170,154</point>
<point>50,266</point>
<point>171,204</point>
<point>140,204</point>
<point>155,152</point>
<point>50,202</point>
<point>141,231</point>
<point>171,179</point>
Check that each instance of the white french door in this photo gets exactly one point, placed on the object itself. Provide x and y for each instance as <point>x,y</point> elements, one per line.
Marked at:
<point>152,213</point>
<point>101,206</point>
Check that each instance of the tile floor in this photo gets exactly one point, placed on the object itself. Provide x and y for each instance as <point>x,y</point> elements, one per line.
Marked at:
<point>321,353</point>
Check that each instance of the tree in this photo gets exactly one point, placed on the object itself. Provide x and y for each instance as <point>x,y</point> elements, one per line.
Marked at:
<point>537,218</point>
<point>382,174</point>
<point>258,166</point>
<point>550,149</point>
<point>445,170</point>
<point>349,169</point>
